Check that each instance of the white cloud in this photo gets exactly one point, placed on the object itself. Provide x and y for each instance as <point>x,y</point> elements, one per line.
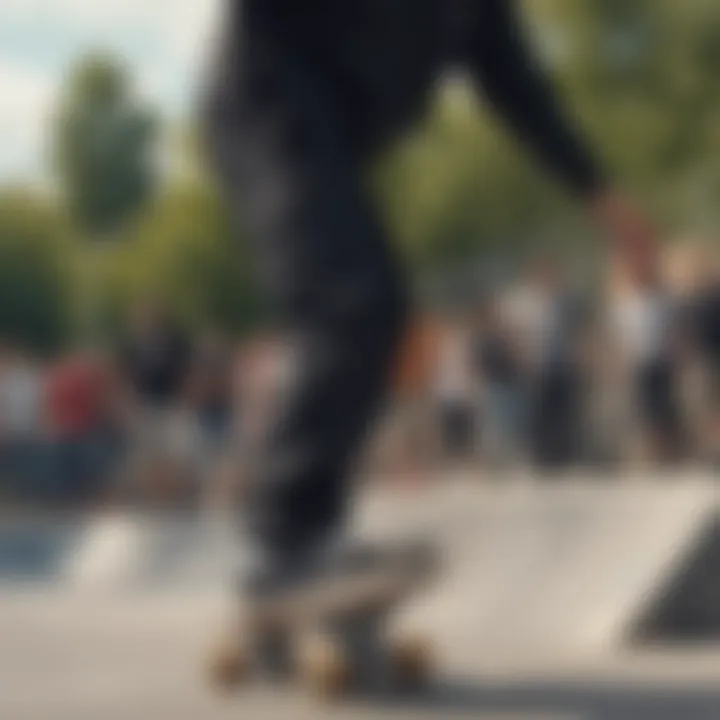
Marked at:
<point>178,25</point>
<point>26,102</point>
<point>163,41</point>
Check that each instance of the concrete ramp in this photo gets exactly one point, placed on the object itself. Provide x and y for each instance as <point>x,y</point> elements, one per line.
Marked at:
<point>569,566</point>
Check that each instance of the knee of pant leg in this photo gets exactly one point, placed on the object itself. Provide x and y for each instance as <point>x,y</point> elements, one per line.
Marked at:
<point>388,310</point>
<point>375,314</point>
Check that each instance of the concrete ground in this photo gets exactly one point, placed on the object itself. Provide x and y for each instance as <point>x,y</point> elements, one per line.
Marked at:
<point>73,652</point>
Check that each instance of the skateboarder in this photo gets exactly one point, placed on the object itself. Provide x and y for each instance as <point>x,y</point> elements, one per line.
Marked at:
<point>306,94</point>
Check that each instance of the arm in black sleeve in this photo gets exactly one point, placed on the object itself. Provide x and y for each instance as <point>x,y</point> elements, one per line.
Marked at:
<point>508,72</point>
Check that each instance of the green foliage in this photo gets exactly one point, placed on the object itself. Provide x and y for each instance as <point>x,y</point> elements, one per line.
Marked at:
<point>640,75</point>
<point>643,75</point>
<point>34,307</point>
<point>103,143</point>
<point>460,187</point>
<point>186,251</point>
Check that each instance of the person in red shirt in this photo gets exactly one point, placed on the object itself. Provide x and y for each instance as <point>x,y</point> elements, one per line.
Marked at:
<point>76,405</point>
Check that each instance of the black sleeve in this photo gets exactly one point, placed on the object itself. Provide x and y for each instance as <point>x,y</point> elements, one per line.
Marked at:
<point>506,68</point>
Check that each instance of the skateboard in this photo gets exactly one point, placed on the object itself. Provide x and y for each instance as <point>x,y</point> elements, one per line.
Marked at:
<point>333,634</point>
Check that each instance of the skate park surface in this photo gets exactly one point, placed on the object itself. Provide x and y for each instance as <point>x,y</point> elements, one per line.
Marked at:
<point>535,615</point>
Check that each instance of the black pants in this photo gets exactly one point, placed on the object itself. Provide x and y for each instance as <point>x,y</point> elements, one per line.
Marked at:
<point>457,422</point>
<point>305,94</point>
<point>282,150</point>
<point>658,406</point>
<point>555,421</point>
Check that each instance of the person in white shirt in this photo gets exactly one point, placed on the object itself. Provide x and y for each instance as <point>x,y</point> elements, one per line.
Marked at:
<point>548,322</point>
<point>21,398</point>
<point>646,326</point>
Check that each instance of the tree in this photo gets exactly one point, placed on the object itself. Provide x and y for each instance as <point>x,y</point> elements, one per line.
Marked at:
<point>103,147</point>
<point>35,305</point>
<point>461,188</point>
<point>640,77</point>
<point>643,76</point>
<point>186,251</point>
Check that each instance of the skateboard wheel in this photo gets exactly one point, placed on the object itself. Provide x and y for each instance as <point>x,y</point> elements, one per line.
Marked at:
<point>412,661</point>
<point>324,668</point>
<point>228,669</point>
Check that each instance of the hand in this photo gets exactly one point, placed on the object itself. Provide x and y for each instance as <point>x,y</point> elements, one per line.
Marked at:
<point>632,233</point>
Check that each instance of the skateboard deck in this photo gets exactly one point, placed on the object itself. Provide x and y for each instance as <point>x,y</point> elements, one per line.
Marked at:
<point>332,634</point>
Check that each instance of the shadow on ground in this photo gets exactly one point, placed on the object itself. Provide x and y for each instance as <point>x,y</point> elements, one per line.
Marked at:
<point>555,701</point>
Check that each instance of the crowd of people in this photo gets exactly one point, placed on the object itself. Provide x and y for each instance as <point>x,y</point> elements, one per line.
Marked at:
<point>144,420</point>
<point>531,375</point>
<point>538,375</point>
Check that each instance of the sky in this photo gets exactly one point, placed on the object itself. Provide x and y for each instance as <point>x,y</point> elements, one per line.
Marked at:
<point>164,43</point>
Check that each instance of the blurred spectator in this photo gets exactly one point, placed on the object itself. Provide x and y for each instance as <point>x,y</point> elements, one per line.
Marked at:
<point>156,359</point>
<point>456,393</point>
<point>211,394</point>
<point>608,405</point>
<point>411,428</point>
<point>548,322</point>
<point>21,396</point>
<point>704,330</point>
<point>77,396</point>
<point>498,365</point>
<point>261,369</point>
<point>646,322</point>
